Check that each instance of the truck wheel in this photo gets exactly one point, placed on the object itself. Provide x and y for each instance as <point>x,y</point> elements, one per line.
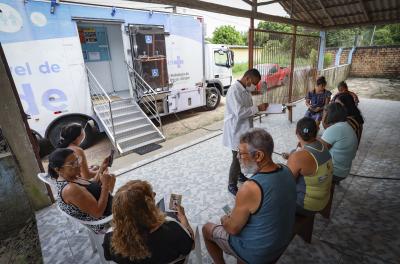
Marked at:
<point>213,98</point>
<point>45,147</point>
<point>54,132</point>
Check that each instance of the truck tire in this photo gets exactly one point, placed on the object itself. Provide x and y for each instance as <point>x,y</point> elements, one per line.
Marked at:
<point>45,146</point>
<point>213,97</point>
<point>54,132</point>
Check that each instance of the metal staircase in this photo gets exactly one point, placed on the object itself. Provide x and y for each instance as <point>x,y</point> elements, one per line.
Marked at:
<point>124,121</point>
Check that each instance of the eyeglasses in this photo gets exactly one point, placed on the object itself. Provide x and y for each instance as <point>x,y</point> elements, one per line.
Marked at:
<point>76,163</point>
<point>239,154</point>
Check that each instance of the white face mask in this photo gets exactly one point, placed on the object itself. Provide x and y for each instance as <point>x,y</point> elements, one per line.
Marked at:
<point>251,88</point>
<point>251,168</point>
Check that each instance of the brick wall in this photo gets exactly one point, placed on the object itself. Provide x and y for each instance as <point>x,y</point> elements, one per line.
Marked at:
<point>375,61</point>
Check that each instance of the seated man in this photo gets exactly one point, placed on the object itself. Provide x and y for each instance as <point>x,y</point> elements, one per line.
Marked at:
<point>341,140</point>
<point>261,223</point>
<point>342,88</point>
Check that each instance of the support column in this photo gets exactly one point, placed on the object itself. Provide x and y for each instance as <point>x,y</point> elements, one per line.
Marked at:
<point>322,47</point>
<point>251,35</point>
<point>290,107</point>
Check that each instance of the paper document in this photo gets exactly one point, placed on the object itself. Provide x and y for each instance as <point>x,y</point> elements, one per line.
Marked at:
<point>273,109</point>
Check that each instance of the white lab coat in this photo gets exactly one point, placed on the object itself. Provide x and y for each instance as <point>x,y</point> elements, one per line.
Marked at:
<point>239,112</point>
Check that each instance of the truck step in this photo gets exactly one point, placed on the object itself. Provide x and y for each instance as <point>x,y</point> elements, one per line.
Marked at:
<point>130,148</point>
<point>134,130</point>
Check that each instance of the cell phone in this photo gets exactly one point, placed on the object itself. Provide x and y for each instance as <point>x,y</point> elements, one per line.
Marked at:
<point>111,158</point>
<point>227,209</point>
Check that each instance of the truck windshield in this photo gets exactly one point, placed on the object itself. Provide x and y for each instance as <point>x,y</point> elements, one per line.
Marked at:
<point>221,58</point>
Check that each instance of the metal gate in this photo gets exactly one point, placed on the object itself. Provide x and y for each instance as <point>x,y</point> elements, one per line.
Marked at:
<point>281,57</point>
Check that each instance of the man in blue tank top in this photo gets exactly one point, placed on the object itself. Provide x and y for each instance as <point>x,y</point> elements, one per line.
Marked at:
<point>261,223</point>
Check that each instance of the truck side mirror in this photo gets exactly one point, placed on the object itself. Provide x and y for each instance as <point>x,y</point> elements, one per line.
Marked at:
<point>231,58</point>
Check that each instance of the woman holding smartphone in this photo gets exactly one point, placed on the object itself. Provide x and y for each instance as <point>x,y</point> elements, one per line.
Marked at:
<point>71,137</point>
<point>87,200</point>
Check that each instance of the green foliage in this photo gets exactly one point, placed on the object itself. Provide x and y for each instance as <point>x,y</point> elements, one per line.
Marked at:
<point>328,58</point>
<point>313,58</point>
<point>384,35</point>
<point>239,69</point>
<point>227,35</point>
<point>273,26</point>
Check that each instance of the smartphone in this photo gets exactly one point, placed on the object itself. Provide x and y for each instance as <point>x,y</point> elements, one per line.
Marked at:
<point>111,158</point>
<point>227,209</point>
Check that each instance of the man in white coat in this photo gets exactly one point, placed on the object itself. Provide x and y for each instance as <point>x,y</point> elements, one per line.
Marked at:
<point>238,119</point>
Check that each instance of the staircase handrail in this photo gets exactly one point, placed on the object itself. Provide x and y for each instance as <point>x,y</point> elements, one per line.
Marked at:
<point>149,92</point>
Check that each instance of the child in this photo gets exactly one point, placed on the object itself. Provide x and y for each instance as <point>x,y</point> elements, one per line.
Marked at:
<point>317,99</point>
<point>342,88</point>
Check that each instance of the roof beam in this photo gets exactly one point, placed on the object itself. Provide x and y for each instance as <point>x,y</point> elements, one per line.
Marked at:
<point>248,2</point>
<point>326,12</point>
<point>305,10</point>
<point>227,10</point>
<point>268,3</point>
<point>369,23</point>
<point>364,10</point>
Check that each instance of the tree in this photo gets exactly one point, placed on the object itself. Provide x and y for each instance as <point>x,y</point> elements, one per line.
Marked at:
<point>227,35</point>
<point>274,26</point>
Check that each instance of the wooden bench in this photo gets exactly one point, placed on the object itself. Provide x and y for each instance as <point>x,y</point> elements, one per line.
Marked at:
<point>304,225</point>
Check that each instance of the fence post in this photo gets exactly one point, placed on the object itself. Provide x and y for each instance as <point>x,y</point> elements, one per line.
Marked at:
<point>290,108</point>
<point>251,34</point>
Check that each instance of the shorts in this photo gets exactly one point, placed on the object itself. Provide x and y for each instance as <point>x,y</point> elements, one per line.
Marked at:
<point>221,238</point>
<point>316,116</point>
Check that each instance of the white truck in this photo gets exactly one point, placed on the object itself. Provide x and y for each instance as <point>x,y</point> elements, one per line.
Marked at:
<point>121,68</point>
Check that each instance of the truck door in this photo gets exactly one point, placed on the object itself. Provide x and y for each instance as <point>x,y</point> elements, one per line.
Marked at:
<point>149,55</point>
<point>222,66</point>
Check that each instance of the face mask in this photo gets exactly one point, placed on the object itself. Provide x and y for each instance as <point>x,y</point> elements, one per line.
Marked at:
<point>251,168</point>
<point>251,88</point>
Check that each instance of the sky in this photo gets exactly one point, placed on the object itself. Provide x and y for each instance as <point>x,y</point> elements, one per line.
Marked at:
<point>212,20</point>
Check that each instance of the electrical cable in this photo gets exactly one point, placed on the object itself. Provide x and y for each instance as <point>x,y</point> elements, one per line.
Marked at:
<point>192,129</point>
<point>376,178</point>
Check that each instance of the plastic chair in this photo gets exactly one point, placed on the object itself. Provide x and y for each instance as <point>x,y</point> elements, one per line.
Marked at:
<point>96,240</point>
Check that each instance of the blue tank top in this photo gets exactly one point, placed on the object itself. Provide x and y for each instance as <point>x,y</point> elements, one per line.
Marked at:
<point>270,228</point>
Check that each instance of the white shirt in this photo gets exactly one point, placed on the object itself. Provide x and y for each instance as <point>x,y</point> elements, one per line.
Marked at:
<point>239,112</point>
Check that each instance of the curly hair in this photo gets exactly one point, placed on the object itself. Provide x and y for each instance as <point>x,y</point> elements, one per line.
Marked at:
<point>135,214</point>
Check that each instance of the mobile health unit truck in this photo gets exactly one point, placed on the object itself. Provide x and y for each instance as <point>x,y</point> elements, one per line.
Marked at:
<point>122,68</point>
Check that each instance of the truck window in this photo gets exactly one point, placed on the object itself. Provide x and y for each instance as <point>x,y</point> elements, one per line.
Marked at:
<point>273,70</point>
<point>221,58</point>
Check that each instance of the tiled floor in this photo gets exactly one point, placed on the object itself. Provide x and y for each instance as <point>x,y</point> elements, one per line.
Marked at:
<point>363,227</point>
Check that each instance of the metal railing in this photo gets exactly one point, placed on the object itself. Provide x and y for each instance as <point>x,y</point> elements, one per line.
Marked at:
<point>144,95</point>
<point>102,101</point>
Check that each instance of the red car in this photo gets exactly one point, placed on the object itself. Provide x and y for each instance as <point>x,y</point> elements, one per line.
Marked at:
<point>272,75</point>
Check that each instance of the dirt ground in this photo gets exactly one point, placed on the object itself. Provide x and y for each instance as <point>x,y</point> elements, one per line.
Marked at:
<point>387,89</point>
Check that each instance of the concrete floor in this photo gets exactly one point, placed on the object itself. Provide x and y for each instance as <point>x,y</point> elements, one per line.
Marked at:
<point>363,227</point>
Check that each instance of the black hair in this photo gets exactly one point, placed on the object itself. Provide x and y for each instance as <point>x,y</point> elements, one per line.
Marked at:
<point>342,84</point>
<point>306,128</point>
<point>68,134</point>
<point>57,159</point>
<point>335,113</point>
<point>254,73</point>
<point>321,80</point>
<point>259,139</point>
<point>352,110</point>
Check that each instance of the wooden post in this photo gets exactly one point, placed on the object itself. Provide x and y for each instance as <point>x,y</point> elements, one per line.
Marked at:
<point>290,108</point>
<point>251,35</point>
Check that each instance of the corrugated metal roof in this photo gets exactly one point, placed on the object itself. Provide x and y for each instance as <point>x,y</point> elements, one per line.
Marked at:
<point>344,13</point>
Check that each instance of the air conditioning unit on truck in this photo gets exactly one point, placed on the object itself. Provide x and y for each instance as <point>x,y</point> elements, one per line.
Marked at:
<point>121,68</point>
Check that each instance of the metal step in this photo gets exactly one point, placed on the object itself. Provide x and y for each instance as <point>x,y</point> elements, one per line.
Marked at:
<point>117,110</point>
<point>138,139</point>
<point>124,133</point>
<point>122,116</point>
<point>142,144</point>
<point>134,122</point>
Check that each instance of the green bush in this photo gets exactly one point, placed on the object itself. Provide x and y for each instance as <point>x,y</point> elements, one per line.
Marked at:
<point>239,69</point>
<point>328,58</point>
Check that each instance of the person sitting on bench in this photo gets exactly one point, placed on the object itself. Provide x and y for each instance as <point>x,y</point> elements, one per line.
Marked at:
<point>340,138</point>
<point>312,168</point>
<point>261,223</point>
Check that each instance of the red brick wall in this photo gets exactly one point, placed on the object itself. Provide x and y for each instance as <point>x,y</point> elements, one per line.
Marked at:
<point>376,62</point>
<point>383,61</point>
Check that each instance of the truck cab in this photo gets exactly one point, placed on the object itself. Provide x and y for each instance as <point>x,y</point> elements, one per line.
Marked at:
<point>219,60</point>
